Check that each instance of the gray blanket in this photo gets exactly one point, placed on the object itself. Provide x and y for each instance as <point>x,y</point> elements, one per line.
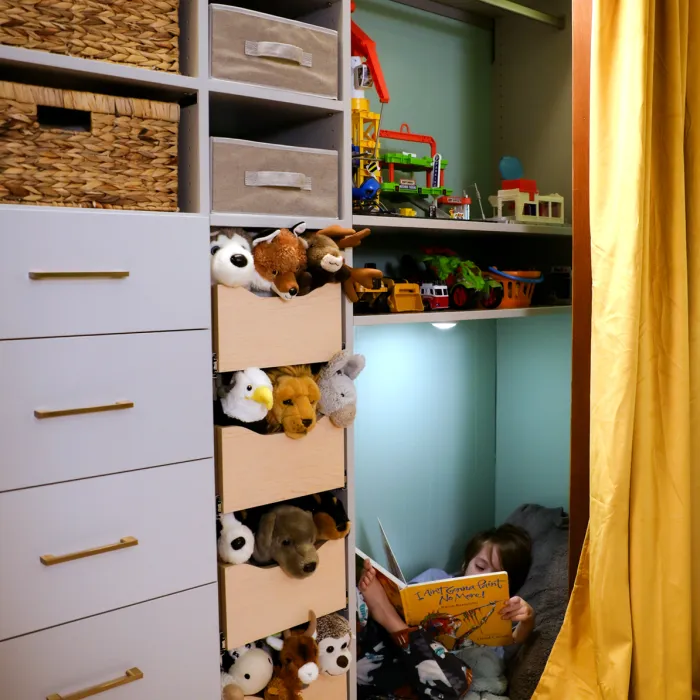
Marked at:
<point>546,589</point>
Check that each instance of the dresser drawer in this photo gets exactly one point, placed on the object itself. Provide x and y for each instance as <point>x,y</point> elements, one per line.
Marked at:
<point>254,470</point>
<point>172,641</point>
<point>154,272</point>
<point>259,601</point>
<point>158,385</point>
<point>158,523</point>
<point>253,331</point>
<point>253,47</point>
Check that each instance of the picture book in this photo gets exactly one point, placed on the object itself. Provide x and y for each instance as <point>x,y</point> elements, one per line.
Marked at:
<point>468,606</point>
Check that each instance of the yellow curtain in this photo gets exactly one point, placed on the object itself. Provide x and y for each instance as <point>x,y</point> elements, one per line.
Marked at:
<point>632,629</point>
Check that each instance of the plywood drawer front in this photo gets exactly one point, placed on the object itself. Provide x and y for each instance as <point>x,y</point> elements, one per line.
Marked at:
<point>164,256</point>
<point>253,47</point>
<point>261,178</point>
<point>327,688</point>
<point>169,510</point>
<point>257,602</point>
<point>252,331</point>
<point>173,641</point>
<point>165,375</point>
<point>253,470</point>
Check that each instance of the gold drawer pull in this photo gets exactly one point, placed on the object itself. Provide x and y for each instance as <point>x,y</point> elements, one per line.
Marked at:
<point>118,406</point>
<point>108,274</point>
<point>133,674</point>
<point>51,559</point>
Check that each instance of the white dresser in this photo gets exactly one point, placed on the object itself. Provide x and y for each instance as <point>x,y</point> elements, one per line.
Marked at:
<point>107,499</point>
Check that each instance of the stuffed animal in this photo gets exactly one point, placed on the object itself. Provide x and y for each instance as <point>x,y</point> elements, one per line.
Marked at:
<point>338,394</point>
<point>329,515</point>
<point>235,541</point>
<point>295,397</point>
<point>280,262</point>
<point>245,401</point>
<point>488,672</point>
<point>245,671</point>
<point>285,535</point>
<point>231,258</point>
<point>298,663</point>
<point>333,639</point>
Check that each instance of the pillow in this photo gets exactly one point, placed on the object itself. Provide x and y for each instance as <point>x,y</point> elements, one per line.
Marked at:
<point>546,589</point>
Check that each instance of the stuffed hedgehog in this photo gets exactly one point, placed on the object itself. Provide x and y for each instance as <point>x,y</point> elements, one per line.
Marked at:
<point>338,393</point>
<point>333,638</point>
<point>231,258</point>
<point>235,541</point>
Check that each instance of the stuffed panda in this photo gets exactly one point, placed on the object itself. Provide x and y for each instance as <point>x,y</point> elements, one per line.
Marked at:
<point>333,640</point>
<point>235,541</point>
<point>231,258</point>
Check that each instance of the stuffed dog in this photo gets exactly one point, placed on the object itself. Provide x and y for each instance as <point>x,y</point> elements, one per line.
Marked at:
<point>295,396</point>
<point>280,262</point>
<point>336,382</point>
<point>285,535</point>
<point>231,258</point>
<point>329,515</point>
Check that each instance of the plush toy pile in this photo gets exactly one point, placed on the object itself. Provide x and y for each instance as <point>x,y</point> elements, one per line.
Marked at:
<point>285,534</point>
<point>287,262</point>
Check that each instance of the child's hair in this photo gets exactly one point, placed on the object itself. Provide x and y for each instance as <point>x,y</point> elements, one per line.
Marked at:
<point>514,547</point>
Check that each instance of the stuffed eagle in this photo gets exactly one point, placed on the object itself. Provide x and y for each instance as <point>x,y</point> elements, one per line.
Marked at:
<point>246,400</point>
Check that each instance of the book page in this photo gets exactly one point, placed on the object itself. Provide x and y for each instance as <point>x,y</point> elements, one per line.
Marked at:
<point>466,607</point>
<point>389,583</point>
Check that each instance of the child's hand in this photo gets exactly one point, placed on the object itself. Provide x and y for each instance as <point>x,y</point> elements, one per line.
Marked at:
<point>517,610</point>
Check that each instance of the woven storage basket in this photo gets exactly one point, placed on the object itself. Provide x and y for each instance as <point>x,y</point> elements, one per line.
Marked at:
<point>143,33</point>
<point>110,152</point>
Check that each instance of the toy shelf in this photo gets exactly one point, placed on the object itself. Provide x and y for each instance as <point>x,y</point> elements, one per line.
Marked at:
<point>397,224</point>
<point>457,316</point>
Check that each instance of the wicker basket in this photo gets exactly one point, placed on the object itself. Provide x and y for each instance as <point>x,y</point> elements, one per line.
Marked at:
<point>76,149</point>
<point>143,33</point>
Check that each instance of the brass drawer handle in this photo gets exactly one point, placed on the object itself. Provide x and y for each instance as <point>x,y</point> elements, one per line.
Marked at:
<point>118,406</point>
<point>108,274</point>
<point>51,559</point>
<point>133,674</point>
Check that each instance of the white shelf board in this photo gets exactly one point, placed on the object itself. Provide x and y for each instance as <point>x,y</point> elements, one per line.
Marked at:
<point>13,57</point>
<point>397,224</point>
<point>313,223</point>
<point>458,316</point>
<point>298,100</point>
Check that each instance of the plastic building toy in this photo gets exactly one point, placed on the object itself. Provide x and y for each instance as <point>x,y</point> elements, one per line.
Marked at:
<point>435,296</point>
<point>456,207</point>
<point>403,296</point>
<point>406,211</point>
<point>519,201</point>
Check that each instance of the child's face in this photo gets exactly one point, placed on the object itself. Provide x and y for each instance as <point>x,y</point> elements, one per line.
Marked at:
<point>487,561</point>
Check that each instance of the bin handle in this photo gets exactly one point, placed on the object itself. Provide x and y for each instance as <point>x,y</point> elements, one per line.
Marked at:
<point>274,178</point>
<point>284,52</point>
<point>515,278</point>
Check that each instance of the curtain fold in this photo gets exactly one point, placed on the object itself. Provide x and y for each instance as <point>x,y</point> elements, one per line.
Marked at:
<point>632,629</point>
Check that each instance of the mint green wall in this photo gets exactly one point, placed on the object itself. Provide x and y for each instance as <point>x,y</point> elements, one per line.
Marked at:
<point>425,440</point>
<point>438,73</point>
<point>533,412</point>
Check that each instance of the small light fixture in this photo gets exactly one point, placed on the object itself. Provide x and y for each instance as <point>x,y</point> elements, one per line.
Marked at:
<point>444,326</point>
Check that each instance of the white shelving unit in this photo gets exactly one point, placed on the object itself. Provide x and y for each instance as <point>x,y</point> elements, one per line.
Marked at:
<point>458,316</point>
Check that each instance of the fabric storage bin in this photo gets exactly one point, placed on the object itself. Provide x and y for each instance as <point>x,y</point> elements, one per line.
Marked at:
<point>262,178</point>
<point>78,149</point>
<point>253,47</point>
<point>143,33</point>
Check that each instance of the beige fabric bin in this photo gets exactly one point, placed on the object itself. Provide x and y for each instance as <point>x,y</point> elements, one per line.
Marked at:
<point>263,178</point>
<point>252,47</point>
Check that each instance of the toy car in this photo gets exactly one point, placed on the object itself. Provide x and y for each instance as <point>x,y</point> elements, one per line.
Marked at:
<point>435,296</point>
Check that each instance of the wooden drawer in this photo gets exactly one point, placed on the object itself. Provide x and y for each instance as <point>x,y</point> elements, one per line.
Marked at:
<point>173,641</point>
<point>328,688</point>
<point>165,375</point>
<point>253,47</point>
<point>256,602</point>
<point>169,510</point>
<point>262,178</point>
<point>163,255</point>
<point>254,470</point>
<point>253,331</point>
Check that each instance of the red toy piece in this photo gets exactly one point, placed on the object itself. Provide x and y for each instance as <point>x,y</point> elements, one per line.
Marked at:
<point>405,134</point>
<point>435,296</point>
<point>361,45</point>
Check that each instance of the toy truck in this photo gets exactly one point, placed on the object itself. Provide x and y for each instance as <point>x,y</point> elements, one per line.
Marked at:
<point>435,296</point>
<point>403,296</point>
